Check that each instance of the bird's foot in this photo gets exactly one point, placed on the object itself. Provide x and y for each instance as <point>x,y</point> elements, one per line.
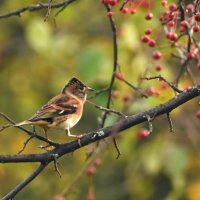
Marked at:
<point>47,147</point>
<point>79,138</point>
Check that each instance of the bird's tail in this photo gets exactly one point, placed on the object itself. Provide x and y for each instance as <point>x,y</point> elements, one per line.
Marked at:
<point>14,125</point>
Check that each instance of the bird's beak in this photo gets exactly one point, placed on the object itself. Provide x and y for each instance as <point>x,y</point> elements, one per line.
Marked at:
<point>90,89</point>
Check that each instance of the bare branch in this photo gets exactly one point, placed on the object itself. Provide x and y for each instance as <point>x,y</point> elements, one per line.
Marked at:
<point>56,167</point>
<point>37,7</point>
<point>31,134</point>
<point>23,184</point>
<point>135,88</point>
<point>98,92</point>
<point>25,144</point>
<point>171,128</point>
<point>107,109</point>
<point>117,148</point>
<point>163,79</point>
<point>63,149</point>
<point>99,134</point>
<point>115,63</point>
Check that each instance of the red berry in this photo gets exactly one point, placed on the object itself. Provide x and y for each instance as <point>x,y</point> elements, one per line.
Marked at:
<point>113,2</point>
<point>159,67</point>
<point>58,197</point>
<point>172,6</point>
<point>133,11</point>
<point>125,10</point>
<point>168,35</point>
<point>171,23</point>
<point>184,23</point>
<point>196,28</point>
<point>197,16</point>
<point>143,133</point>
<point>110,14</point>
<point>152,43</point>
<point>145,38</point>
<point>171,16</point>
<point>190,55</point>
<point>148,31</point>
<point>182,29</point>
<point>106,1</point>
<point>164,85</point>
<point>126,98</point>
<point>119,76</point>
<point>151,91</point>
<point>198,114</point>
<point>115,94</point>
<point>149,16</point>
<point>97,162</point>
<point>173,37</point>
<point>90,170</point>
<point>164,2</point>
<point>156,55</point>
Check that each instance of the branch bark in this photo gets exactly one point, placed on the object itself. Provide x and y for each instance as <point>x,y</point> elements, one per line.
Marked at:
<point>99,134</point>
<point>37,7</point>
<point>63,149</point>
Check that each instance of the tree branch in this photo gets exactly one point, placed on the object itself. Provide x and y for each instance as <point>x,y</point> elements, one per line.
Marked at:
<point>36,7</point>
<point>99,134</point>
<point>19,187</point>
<point>62,149</point>
<point>115,63</point>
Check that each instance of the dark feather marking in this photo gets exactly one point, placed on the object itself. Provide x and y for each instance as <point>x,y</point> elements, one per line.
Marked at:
<point>56,114</point>
<point>67,106</point>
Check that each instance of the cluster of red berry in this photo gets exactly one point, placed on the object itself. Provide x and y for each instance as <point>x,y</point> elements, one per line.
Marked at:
<point>181,22</point>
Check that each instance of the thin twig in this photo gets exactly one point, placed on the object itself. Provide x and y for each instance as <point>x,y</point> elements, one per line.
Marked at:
<point>25,144</point>
<point>163,79</point>
<point>97,152</point>
<point>117,148</point>
<point>36,7</point>
<point>48,11</point>
<point>124,3</point>
<point>56,167</point>
<point>23,184</point>
<point>115,63</point>
<point>26,131</point>
<point>107,109</point>
<point>135,88</point>
<point>98,92</point>
<point>97,135</point>
<point>171,128</point>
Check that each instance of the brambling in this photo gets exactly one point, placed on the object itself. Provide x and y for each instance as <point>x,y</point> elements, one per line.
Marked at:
<point>63,111</point>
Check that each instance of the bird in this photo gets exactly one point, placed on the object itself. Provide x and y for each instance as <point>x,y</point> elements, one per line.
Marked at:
<point>62,111</point>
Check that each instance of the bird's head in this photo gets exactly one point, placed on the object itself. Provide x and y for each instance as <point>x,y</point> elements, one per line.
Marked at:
<point>77,88</point>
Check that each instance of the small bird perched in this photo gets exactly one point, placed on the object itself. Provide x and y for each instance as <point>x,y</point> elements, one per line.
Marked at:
<point>63,111</point>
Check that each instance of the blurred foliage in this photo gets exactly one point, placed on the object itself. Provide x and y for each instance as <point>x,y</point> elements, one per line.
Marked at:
<point>37,58</point>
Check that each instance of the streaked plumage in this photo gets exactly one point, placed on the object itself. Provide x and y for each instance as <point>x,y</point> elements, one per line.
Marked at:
<point>64,110</point>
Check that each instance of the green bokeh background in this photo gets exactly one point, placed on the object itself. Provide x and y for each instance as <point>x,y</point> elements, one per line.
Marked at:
<point>37,58</point>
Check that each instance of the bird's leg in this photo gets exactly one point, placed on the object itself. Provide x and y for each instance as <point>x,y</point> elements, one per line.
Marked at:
<point>75,136</point>
<point>47,144</point>
<point>71,135</point>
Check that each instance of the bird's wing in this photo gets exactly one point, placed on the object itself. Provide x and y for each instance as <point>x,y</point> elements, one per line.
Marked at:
<point>58,106</point>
